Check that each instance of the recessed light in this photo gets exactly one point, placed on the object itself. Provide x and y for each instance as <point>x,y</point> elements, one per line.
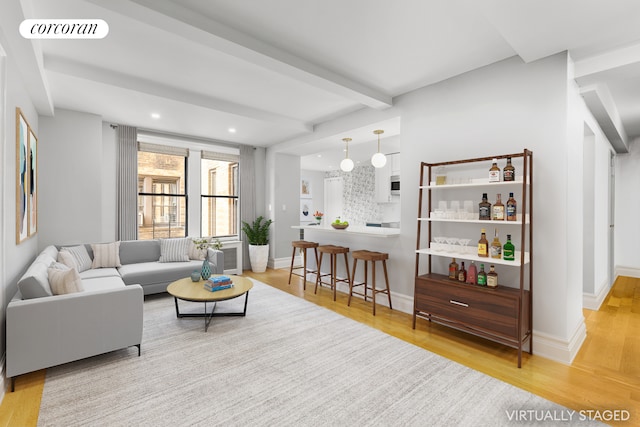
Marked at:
<point>319,155</point>
<point>232,130</point>
<point>155,116</point>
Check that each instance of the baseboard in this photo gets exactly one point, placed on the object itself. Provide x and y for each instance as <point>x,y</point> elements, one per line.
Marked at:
<point>3,387</point>
<point>627,271</point>
<point>560,350</point>
<point>593,301</point>
<point>277,263</point>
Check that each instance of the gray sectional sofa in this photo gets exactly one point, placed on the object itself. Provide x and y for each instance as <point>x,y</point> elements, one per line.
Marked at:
<point>46,330</point>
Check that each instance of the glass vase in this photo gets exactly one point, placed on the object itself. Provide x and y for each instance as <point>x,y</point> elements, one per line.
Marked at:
<point>206,270</point>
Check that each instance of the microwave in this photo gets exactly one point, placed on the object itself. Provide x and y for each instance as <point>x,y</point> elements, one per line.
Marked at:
<point>395,184</point>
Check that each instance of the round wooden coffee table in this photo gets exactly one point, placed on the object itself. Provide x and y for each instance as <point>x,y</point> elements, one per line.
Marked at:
<point>188,290</point>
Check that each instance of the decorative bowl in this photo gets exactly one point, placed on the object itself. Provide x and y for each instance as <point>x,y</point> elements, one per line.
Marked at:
<point>339,226</point>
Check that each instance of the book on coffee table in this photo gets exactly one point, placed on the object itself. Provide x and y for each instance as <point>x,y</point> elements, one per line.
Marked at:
<point>218,283</point>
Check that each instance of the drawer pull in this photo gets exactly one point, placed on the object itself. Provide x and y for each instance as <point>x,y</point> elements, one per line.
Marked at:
<point>458,303</point>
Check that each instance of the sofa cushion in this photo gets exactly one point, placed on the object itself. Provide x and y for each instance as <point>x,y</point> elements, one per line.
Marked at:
<point>102,283</point>
<point>35,282</point>
<point>99,272</point>
<point>64,280</point>
<point>174,250</point>
<point>80,256</point>
<point>155,272</point>
<point>135,251</point>
<point>106,255</point>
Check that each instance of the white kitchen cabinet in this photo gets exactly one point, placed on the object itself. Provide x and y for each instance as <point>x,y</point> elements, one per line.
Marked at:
<point>394,159</point>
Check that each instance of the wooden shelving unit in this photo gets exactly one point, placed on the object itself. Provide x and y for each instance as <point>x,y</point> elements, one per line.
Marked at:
<point>502,314</point>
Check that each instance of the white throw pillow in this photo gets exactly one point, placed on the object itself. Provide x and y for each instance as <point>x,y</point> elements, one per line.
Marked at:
<point>174,250</point>
<point>80,257</point>
<point>64,281</point>
<point>195,253</point>
<point>106,255</point>
<point>65,257</point>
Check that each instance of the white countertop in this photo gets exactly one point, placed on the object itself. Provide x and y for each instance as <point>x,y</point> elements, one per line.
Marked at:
<point>353,230</point>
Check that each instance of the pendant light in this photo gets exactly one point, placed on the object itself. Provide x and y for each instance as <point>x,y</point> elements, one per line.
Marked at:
<point>378,160</point>
<point>346,164</point>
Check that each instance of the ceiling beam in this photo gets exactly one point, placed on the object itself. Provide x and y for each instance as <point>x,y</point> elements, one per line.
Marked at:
<point>183,22</point>
<point>609,60</point>
<point>26,54</point>
<point>125,81</point>
<point>600,103</point>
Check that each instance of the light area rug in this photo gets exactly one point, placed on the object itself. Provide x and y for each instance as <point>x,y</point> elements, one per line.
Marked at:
<point>287,363</point>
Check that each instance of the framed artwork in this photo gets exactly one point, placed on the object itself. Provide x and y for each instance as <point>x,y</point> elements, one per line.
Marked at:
<point>26,179</point>
<point>305,188</point>
<point>306,210</point>
<point>32,202</point>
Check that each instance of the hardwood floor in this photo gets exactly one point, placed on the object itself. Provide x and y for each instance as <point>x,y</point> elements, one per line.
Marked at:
<point>605,375</point>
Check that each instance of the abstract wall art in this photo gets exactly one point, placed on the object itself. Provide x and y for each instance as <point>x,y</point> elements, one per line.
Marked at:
<point>26,179</point>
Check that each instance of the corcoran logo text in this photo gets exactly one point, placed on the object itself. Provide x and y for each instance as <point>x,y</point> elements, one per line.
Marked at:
<point>64,29</point>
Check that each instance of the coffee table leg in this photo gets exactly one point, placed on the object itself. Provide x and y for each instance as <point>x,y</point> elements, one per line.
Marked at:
<point>208,316</point>
<point>177,309</point>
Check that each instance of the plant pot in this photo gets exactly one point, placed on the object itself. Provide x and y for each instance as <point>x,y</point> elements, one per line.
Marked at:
<point>258,256</point>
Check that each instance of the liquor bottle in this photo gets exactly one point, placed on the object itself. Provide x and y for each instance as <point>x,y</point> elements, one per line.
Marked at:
<point>509,172</point>
<point>495,250</point>
<point>472,274</point>
<point>508,250</point>
<point>483,244</point>
<point>453,270</point>
<point>482,276</point>
<point>462,274</point>
<point>492,277</point>
<point>512,207</point>
<point>484,207</point>
<point>497,212</point>
<point>494,172</point>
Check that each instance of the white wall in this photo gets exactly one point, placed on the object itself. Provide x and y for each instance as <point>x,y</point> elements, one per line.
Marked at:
<point>316,179</point>
<point>627,225</point>
<point>286,203</point>
<point>15,258</point>
<point>109,182</point>
<point>71,175</point>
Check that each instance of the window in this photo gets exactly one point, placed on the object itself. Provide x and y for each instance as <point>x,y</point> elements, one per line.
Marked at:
<point>162,198</point>
<point>219,195</point>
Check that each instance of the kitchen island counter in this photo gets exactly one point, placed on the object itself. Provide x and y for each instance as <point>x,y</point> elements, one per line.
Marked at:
<point>351,230</point>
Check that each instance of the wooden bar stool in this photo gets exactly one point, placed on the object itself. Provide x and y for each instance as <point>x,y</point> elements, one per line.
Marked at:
<point>333,252</point>
<point>367,256</point>
<point>303,245</point>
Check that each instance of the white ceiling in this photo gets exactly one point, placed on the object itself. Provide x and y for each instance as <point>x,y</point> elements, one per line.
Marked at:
<point>274,70</point>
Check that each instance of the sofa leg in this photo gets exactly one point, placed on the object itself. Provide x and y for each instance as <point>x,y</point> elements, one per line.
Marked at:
<point>139,349</point>
<point>13,384</point>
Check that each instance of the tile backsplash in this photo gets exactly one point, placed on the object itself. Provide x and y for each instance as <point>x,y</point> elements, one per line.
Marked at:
<point>358,196</point>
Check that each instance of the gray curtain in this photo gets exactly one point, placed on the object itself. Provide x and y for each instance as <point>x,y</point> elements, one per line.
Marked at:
<point>127,175</point>
<point>247,196</point>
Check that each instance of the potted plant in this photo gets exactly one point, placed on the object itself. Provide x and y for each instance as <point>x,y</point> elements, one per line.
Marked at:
<point>258,238</point>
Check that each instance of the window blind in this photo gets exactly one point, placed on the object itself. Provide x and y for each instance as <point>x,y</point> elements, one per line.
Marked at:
<point>225,157</point>
<point>163,149</point>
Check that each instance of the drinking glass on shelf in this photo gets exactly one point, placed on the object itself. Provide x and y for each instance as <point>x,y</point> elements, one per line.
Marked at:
<point>463,245</point>
<point>439,243</point>
<point>465,248</point>
<point>455,205</point>
<point>451,244</point>
<point>442,205</point>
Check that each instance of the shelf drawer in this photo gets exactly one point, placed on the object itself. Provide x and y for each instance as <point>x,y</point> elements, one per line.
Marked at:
<point>486,309</point>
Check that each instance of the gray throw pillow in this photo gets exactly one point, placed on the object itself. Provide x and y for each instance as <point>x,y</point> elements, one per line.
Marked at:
<point>174,250</point>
